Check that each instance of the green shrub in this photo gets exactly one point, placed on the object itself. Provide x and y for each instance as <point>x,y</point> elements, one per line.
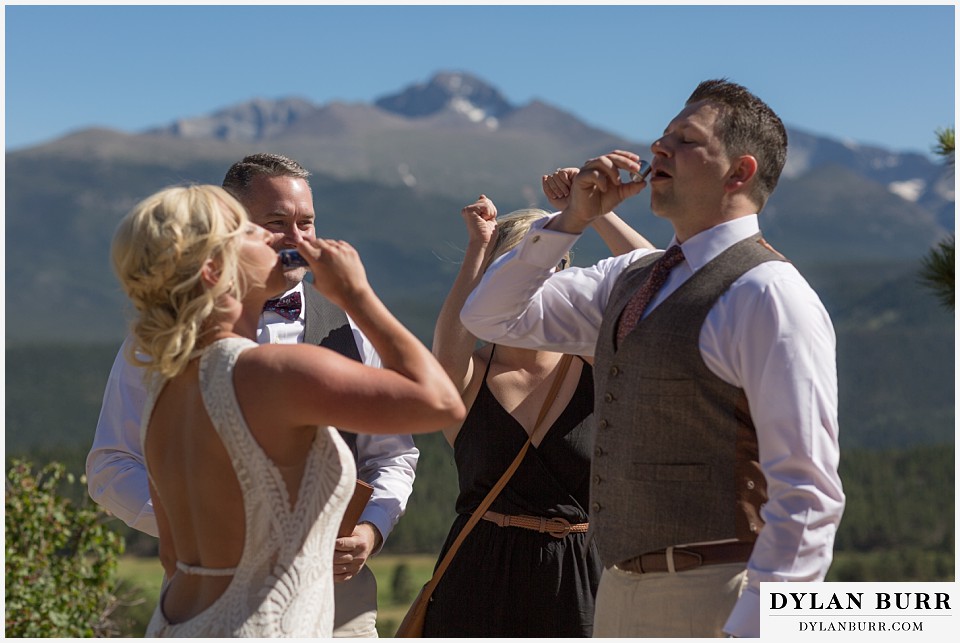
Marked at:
<point>404,589</point>
<point>61,559</point>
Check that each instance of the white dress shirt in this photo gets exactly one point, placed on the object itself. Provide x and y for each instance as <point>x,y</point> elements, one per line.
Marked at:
<point>116,474</point>
<point>769,334</point>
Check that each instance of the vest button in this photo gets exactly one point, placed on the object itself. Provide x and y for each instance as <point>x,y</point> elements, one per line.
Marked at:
<point>598,451</point>
<point>608,397</point>
<point>597,479</point>
<point>753,527</point>
<point>596,506</point>
<point>750,484</point>
<point>603,424</point>
<point>614,371</point>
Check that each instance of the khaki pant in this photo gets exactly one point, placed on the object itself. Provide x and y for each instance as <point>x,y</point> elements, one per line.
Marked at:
<point>690,604</point>
<point>356,606</point>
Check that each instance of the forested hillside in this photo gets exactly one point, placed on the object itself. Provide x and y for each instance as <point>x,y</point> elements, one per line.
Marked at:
<point>899,522</point>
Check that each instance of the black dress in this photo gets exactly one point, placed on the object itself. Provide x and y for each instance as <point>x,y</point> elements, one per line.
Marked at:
<point>508,581</point>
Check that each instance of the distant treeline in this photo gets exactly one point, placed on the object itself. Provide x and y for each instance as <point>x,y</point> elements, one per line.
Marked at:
<point>899,522</point>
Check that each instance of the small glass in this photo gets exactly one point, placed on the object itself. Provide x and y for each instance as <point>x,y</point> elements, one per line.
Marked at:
<point>292,259</point>
<point>645,168</point>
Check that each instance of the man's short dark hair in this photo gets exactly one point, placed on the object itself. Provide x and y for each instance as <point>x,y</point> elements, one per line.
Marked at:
<point>242,173</point>
<point>747,125</point>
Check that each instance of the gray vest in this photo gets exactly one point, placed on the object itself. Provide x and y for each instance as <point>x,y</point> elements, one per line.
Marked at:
<point>326,325</point>
<point>675,456</point>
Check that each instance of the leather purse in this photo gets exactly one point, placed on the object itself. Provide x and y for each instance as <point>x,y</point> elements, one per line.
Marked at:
<point>412,624</point>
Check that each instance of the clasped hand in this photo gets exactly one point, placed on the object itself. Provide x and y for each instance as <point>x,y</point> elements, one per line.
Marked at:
<point>351,553</point>
<point>594,190</point>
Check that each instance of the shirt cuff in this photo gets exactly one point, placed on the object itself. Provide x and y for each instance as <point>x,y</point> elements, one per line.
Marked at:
<point>545,248</point>
<point>380,519</point>
<point>744,620</point>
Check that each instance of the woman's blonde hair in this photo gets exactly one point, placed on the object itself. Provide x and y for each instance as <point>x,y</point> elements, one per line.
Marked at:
<point>158,253</point>
<point>512,228</point>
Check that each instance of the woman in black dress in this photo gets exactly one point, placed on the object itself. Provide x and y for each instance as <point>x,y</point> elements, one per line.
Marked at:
<point>515,581</point>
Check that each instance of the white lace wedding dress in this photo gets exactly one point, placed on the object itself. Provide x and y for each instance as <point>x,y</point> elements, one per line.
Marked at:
<point>283,584</point>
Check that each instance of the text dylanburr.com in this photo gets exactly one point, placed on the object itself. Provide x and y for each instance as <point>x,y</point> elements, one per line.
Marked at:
<point>850,610</point>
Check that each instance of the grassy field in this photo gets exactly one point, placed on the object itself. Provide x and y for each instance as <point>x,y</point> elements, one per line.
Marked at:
<point>140,580</point>
<point>393,596</point>
<point>399,578</point>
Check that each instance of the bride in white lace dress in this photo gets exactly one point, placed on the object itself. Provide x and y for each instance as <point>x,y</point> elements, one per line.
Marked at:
<point>248,480</point>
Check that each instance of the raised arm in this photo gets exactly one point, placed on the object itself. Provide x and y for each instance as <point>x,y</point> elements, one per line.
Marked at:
<point>618,235</point>
<point>410,394</point>
<point>615,232</point>
<point>453,345</point>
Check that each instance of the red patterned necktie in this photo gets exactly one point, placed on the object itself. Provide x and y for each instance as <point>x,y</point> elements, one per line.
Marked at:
<point>641,299</point>
<point>287,307</point>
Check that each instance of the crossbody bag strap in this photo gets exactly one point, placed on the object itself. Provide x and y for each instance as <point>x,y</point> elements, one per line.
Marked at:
<point>562,368</point>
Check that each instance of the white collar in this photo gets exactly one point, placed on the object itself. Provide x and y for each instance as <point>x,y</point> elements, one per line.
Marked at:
<point>703,247</point>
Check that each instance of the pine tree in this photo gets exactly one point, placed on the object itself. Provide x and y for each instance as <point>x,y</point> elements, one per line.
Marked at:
<point>938,270</point>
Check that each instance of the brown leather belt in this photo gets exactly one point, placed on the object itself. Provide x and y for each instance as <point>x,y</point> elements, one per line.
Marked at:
<point>556,527</point>
<point>689,557</point>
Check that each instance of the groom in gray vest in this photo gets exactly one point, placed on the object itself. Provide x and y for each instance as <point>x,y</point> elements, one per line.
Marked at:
<point>716,452</point>
<point>275,192</point>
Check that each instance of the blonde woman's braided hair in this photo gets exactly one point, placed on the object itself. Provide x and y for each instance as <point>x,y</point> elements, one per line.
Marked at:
<point>158,252</point>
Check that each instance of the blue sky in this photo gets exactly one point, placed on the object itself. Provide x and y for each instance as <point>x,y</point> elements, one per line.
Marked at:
<point>875,74</point>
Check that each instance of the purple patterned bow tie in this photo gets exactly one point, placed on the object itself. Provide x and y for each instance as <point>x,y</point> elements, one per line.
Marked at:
<point>287,307</point>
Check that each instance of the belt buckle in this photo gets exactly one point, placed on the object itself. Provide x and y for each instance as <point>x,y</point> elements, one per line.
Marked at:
<point>555,530</point>
<point>697,560</point>
<point>666,560</point>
